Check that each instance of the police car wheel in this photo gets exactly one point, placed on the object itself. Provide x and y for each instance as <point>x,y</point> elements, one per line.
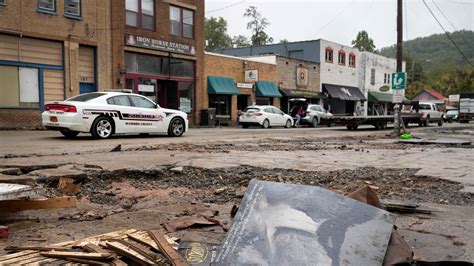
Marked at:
<point>69,133</point>
<point>288,123</point>
<point>176,128</point>
<point>102,128</point>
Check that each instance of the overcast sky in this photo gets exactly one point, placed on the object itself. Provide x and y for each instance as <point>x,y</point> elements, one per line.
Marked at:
<point>340,20</point>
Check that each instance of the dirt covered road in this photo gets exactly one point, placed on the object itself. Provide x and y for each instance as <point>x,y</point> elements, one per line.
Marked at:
<point>154,180</point>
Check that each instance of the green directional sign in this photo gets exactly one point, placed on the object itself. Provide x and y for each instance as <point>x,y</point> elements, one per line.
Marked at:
<point>399,81</point>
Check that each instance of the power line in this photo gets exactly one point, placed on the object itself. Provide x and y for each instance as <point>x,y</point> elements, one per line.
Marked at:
<point>332,20</point>
<point>447,34</point>
<point>460,35</point>
<point>225,7</point>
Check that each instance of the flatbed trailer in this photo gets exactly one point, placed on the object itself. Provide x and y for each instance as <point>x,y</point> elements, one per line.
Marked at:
<point>378,121</point>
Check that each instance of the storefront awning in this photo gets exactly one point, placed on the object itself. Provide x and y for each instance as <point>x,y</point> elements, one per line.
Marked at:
<point>221,85</point>
<point>267,89</point>
<point>381,97</point>
<point>299,94</point>
<point>346,93</point>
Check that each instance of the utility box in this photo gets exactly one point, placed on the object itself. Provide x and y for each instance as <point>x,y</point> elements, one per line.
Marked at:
<point>208,117</point>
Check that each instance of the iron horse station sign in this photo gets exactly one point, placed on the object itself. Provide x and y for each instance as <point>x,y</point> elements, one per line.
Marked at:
<point>149,43</point>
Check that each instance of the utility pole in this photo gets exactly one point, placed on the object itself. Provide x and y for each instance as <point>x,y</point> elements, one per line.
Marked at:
<point>399,61</point>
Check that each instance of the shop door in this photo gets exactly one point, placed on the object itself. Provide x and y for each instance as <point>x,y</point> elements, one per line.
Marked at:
<point>168,95</point>
<point>242,102</point>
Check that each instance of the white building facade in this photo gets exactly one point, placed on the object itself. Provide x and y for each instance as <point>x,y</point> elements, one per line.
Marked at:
<point>375,81</point>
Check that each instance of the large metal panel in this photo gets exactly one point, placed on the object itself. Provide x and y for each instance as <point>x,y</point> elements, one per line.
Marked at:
<point>287,224</point>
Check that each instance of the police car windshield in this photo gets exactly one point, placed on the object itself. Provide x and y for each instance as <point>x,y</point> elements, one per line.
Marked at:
<point>85,97</point>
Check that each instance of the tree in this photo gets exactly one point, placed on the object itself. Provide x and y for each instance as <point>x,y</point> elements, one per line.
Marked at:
<point>257,25</point>
<point>216,34</point>
<point>284,40</point>
<point>461,80</point>
<point>240,41</point>
<point>363,42</point>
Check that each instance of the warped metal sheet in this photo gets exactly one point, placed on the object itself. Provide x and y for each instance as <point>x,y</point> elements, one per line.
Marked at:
<point>287,224</point>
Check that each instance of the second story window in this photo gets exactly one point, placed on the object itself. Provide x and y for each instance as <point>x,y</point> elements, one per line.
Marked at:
<point>181,22</point>
<point>372,76</point>
<point>140,14</point>
<point>341,59</point>
<point>352,60</point>
<point>47,5</point>
<point>72,8</point>
<point>3,2</point>
<point>328,55</point>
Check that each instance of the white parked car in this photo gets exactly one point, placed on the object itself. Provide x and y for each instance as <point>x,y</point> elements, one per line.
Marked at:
<point>265,116</point>
<point>106,113</point>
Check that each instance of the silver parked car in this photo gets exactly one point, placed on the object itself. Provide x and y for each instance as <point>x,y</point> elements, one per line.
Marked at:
<point>315,113</point>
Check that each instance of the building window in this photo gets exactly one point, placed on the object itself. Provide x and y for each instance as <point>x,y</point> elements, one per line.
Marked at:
<point>372,76</point>
<point>328,55</point>
<point>20,87</point>
<point>3,2</point>
<point>388,78</point>
<point>72,8</point>
<point>385,78</point>
<point>352,60</point>
<point>140,14</point>
<point>341,59</point>
<point>47,5</point>
<point>186,90</point>
<point>181,22</point>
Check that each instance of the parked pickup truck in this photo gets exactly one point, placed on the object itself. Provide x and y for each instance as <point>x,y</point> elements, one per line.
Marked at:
<point>466,107</point>
<point>429,113</point>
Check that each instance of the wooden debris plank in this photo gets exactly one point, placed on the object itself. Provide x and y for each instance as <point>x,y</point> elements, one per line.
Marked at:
<point>166,248</point>
<point>7,206</point>
<point>16,255</point>
<point>38,259</point>
<point>145,239</point>
<point>129,253</point>
<point>95,248</point>
<point>15,249</point>
<point>87,262</point>
<point>78,255</point>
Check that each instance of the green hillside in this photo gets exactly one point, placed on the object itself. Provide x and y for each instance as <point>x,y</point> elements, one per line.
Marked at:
<point>435,62</point>
<point>437,49</point>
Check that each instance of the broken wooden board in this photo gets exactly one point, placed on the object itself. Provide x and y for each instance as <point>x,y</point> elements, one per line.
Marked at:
<point>7,206</point>
<point>77,255</point>
<point>167,249</point>
<point>128,252</point>
<point>15,191</point>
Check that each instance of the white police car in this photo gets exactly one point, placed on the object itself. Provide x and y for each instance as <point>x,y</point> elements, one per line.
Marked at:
<point>106,113</point>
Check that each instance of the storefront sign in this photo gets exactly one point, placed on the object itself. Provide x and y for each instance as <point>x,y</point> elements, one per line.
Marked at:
<point>146,88</point>
<point>155,44</point>
<point>251,75</point>
<point>454,98</point>
<point>245,85</point>
<point>301,77</point>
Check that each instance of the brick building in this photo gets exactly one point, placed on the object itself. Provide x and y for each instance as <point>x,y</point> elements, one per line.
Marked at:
<point>54,49</point>
<point>297,79</point>
<point>233,83</point>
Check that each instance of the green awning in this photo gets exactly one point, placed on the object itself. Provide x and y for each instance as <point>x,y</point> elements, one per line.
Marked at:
<point>381,97</point>
<point>221,85</point>
<point>267,89</point>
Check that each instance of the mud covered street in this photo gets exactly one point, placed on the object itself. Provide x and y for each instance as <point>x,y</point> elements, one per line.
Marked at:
<point>153,180</point>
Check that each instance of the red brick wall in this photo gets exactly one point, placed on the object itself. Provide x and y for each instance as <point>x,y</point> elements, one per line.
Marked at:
<point>19,118</point>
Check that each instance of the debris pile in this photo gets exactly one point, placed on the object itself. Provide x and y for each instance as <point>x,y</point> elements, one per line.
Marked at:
<point>117,248</point>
